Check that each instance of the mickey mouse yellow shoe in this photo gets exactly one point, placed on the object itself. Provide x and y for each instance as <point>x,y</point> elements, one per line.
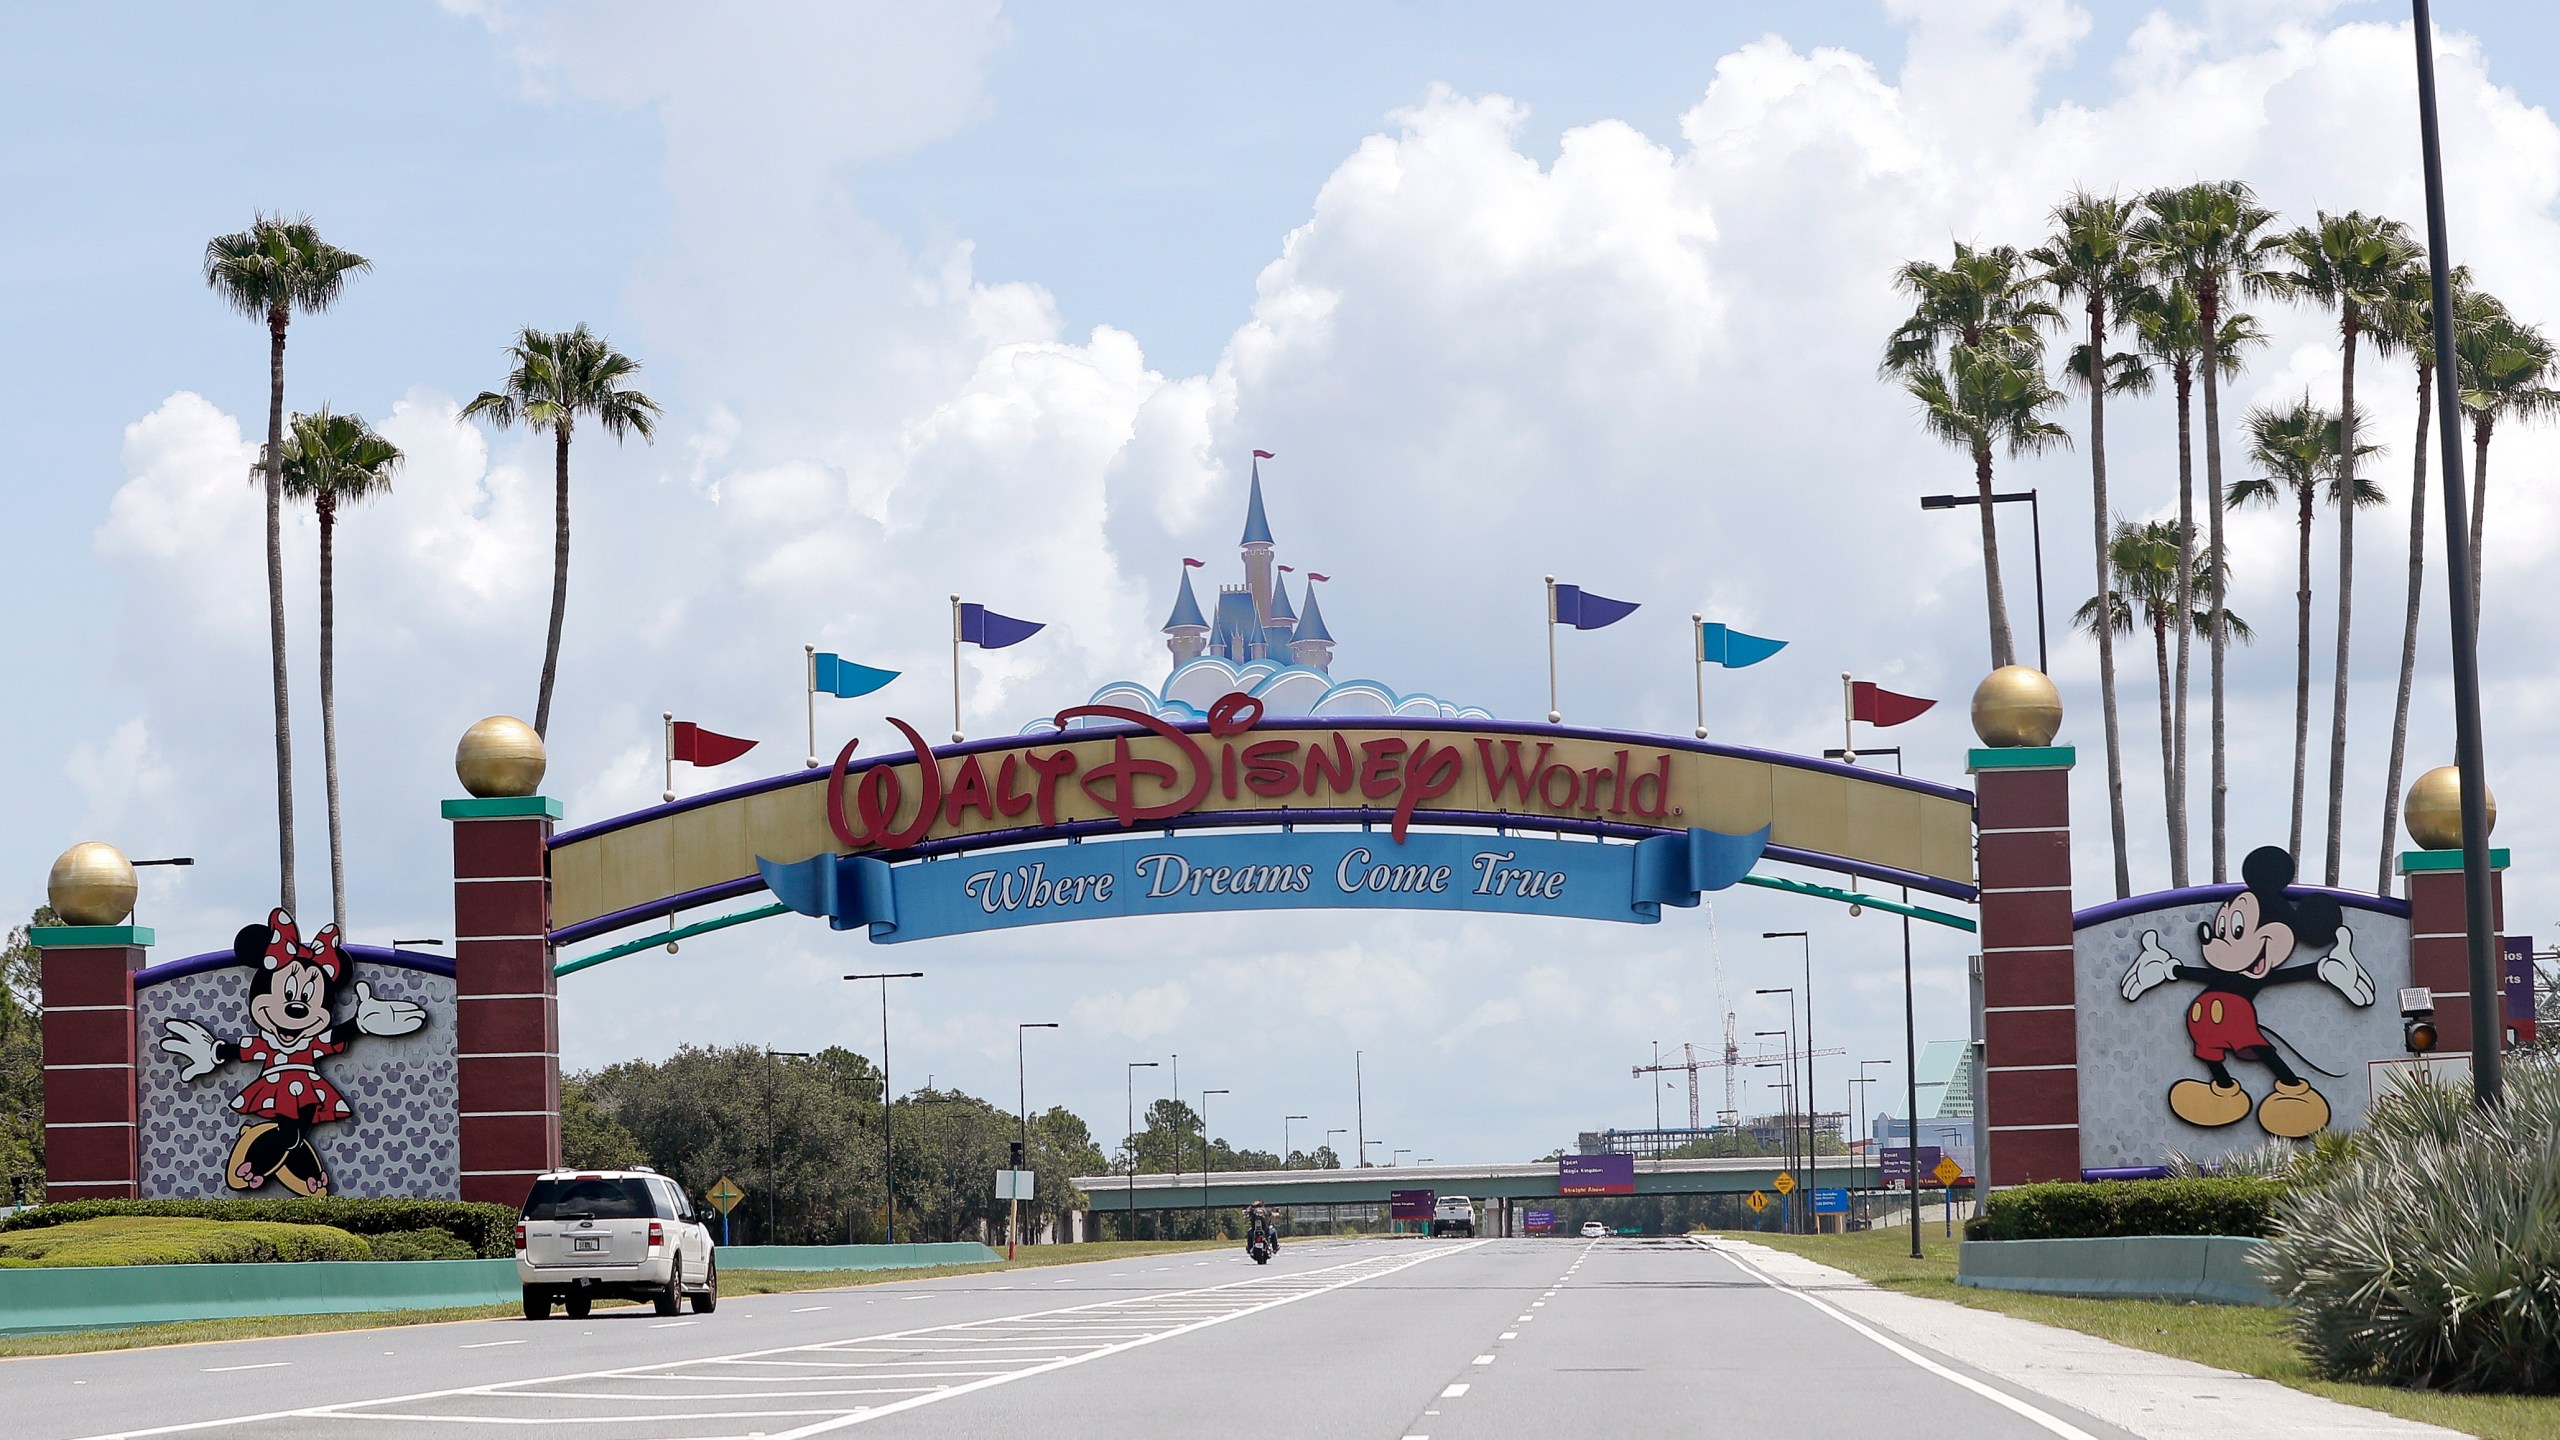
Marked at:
<point>2293,1110</point>
<point>2217,1104</point>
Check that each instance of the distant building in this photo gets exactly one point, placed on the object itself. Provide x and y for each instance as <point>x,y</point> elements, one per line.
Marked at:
<point>1947,1088</point>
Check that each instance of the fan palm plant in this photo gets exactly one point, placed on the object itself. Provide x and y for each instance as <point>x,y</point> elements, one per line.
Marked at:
<point>2171,334</point>
<point>555,378</point>
<point>1971,352</point>
<point>271,270</point>
<point>2150,592</point>
<point>330,462</point>
<point>2296,451</point>
<point>2090,259</point>
<point>2212,237</point>
<point>2357,265</point>
<point>2503,366</point>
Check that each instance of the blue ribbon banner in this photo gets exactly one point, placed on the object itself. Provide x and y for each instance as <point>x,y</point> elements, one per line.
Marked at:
<point>1302,870</point>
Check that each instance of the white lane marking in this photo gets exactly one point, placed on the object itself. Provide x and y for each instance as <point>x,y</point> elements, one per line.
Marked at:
<point>492,1344</point>
<point>1365,1269</point>
<point>2001,1398</point>
<point>811,1309</point>
<point>226,1369</point>
<point>672,1324</point>
<point>1484,1360</point>
<point>1509,1335</point>
<point>1453,1392</point>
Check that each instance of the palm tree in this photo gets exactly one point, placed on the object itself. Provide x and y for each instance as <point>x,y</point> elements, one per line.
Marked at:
<point>1983,312</point>
<point>2296,451</point>
<point>2211,236</point>
<point>2145,560</point>
<point>267,272</point>
<point>2503,363</point>
<point>2171,333</point>
<point>2357,265</point>
<point>2090,258</point>
<point>556,377</point>
<point>333,461</point>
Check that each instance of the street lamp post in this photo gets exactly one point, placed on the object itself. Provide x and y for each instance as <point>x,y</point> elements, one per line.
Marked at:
<point>1132,1101</point>
<point>1911,1045</point>
<point>1804,1102</point>
<point>888,1181</point>
<point>1208,1157</point>
<point>1284,1138</point>
<point>1864,1080</point>
<point>1359,1110</point>
<point>1022,1084</point>
<point>2036,513</point>
<point>1812,1135</point>
<point>1786,1087</point>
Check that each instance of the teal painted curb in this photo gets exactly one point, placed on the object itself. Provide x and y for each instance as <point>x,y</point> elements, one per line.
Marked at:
<point>2211,1268</point>
<point>87,1297</point>
<point>856,1257</point>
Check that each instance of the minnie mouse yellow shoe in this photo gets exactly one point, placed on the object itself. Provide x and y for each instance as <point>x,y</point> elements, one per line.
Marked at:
<point>242,1173</point>
<point>2210,1106</point>
<point>2293,1110</point>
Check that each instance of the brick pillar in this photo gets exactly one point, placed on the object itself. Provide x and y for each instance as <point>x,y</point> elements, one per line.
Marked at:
<point>2030,1032</point>
<point>2439,958</point>
<point>90,1144</point>
<point>507,1020</point>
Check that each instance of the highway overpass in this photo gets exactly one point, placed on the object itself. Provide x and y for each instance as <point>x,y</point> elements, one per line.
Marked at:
<point>1535,1180</point>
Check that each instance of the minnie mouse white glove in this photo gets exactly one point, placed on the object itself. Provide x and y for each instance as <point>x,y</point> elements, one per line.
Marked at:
<point>2340,972</point>
<point>194,1046</point>
<point>2152,968</point>
<point>385,1017</point>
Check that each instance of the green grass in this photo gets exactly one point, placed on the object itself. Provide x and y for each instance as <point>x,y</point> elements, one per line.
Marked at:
<point>2250,1341</point>
<point>149,1240</point>
<point>732,1283</point>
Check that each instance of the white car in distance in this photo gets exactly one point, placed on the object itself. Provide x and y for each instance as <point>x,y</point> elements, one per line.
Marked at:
<point>1453,1215</point>
<point>626,1234</point>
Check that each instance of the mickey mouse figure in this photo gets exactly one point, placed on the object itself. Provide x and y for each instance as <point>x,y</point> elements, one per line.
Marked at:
<point>289,1004</point>
<point>2245,948</point>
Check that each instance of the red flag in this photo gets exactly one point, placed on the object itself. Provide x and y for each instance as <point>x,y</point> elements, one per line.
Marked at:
<point>696,746</point>
<point>1288,569</point>
<point>1195,564</point>
<point>1878,706</point>
<point>1264,455</point>
<point>1314,576</point>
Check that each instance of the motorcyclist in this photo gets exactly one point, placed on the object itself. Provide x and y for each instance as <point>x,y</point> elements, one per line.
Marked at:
<point>1258,1222</point>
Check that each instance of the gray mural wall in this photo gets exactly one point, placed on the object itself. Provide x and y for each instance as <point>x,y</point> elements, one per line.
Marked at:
<point>2131,1052</point>
<point>402,1140</point>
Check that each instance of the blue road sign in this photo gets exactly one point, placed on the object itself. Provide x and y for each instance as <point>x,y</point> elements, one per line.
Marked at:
<point>1830,1202</point>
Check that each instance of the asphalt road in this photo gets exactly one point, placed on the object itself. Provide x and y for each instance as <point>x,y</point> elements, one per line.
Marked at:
<point>1448,1339</point>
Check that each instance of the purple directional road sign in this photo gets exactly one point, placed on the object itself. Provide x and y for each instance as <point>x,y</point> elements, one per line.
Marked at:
<point>1896,1167</point>
<point>1596,1175</point>
<point>1410,1204</point>
<point>1537,1220</point>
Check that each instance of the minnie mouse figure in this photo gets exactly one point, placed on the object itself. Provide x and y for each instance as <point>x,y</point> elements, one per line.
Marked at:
<point>2245,947</point>
<point>289,1004</point>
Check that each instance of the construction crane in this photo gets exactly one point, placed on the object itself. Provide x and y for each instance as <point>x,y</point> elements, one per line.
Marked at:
<point>1731,1114</point>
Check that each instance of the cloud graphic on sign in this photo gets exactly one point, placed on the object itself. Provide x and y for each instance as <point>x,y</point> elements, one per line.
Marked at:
<point>1284,690</point>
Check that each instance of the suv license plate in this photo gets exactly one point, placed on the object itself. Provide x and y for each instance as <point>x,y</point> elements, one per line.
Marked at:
<point>581,1244</point>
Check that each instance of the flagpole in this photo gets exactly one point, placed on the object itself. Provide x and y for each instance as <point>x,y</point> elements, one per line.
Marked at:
<point>1554,715</point>
<point>667,724</point>
<point>1698,665</point>
<point>809,674</point>
<point>955,669</point>
<point>1848,719</point>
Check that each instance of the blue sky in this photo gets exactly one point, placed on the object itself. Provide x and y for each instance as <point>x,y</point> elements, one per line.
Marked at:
<point>996,300</point>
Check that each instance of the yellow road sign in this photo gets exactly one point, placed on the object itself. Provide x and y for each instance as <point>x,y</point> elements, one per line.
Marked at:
<point>1785,1183</point>
<point>724,1192</point>
<point>1948,1171</point>
<point>1758,1202</point>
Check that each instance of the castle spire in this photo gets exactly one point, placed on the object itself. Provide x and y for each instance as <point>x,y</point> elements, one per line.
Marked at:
<point>1257,527</point>
<point>1311,644</point>
<point>1257,550</point>
<point>1185,629</point>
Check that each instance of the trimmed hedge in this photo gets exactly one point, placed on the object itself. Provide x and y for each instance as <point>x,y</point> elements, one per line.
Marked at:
<point>2244,1206</point>
<point>485,1231</point>
<point>162,1240</point>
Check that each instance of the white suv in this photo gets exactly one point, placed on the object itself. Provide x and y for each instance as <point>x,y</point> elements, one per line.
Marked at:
<point>624,1233</point>
<point>1453,1215</point>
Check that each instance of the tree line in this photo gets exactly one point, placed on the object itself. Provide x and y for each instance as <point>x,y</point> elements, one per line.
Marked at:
<point>2160,284</point>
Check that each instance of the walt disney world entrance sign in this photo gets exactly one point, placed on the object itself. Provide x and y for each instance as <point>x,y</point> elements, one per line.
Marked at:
<point>1116,812</point>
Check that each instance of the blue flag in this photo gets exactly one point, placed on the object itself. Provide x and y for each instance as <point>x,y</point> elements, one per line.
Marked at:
<point>1733,649</point>
<point>1583,610</point>
<point>988,630</point>
<point>843,679</point>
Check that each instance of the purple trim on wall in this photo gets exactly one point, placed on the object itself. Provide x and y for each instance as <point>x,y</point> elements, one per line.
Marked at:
<point>817,775</point>
<point>2215,894</point>
<point>365,954</point>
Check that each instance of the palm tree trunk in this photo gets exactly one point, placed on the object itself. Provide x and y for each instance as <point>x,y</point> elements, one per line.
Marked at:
<point>2301,658</point>
<point>559,580</point>
<point>2209,310</point>
<point>277,319</point>
<point>2408,636</point>
<point>2107,630</point>
<point>1994,593</point>
<point>326,507</point>
<point>2178,859</point>
<point>2160,653</point>
<point>2346,601</point>
<point>2481,424</point>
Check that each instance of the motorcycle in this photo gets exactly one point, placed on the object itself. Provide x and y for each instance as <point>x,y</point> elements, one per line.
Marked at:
<point>1260,1244</point>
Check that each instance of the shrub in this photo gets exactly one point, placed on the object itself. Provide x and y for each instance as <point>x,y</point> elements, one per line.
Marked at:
<point>154,1240</point>
<point>420,1245</point>
<point>2073,1211</point>
<point>2431,1257</point>
<point>488,1230</point>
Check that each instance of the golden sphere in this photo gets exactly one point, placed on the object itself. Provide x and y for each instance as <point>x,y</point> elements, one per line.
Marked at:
<point>2016,705</point>
<point>2433,811</point>
<point>500,756</point>
<point>92,884</point>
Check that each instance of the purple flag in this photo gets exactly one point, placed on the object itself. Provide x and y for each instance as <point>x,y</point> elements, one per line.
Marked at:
<point>1583,610</point>
<point>988,630</point>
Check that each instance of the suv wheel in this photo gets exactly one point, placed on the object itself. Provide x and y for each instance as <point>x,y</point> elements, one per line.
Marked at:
<point>537,1303</point>
<point>708,1298</point>
<point>670,1301</point>
<point>577,1303</point>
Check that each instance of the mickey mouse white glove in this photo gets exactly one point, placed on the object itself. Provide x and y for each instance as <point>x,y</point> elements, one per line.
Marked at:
<point>385,1017</point>
<point>194,1046</point>
<point>2150,969</point>
<point>2340,972</point>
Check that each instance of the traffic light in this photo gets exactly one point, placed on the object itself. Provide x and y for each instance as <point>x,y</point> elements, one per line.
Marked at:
<point>1016,1160</point>
<point>2417,1020</point>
